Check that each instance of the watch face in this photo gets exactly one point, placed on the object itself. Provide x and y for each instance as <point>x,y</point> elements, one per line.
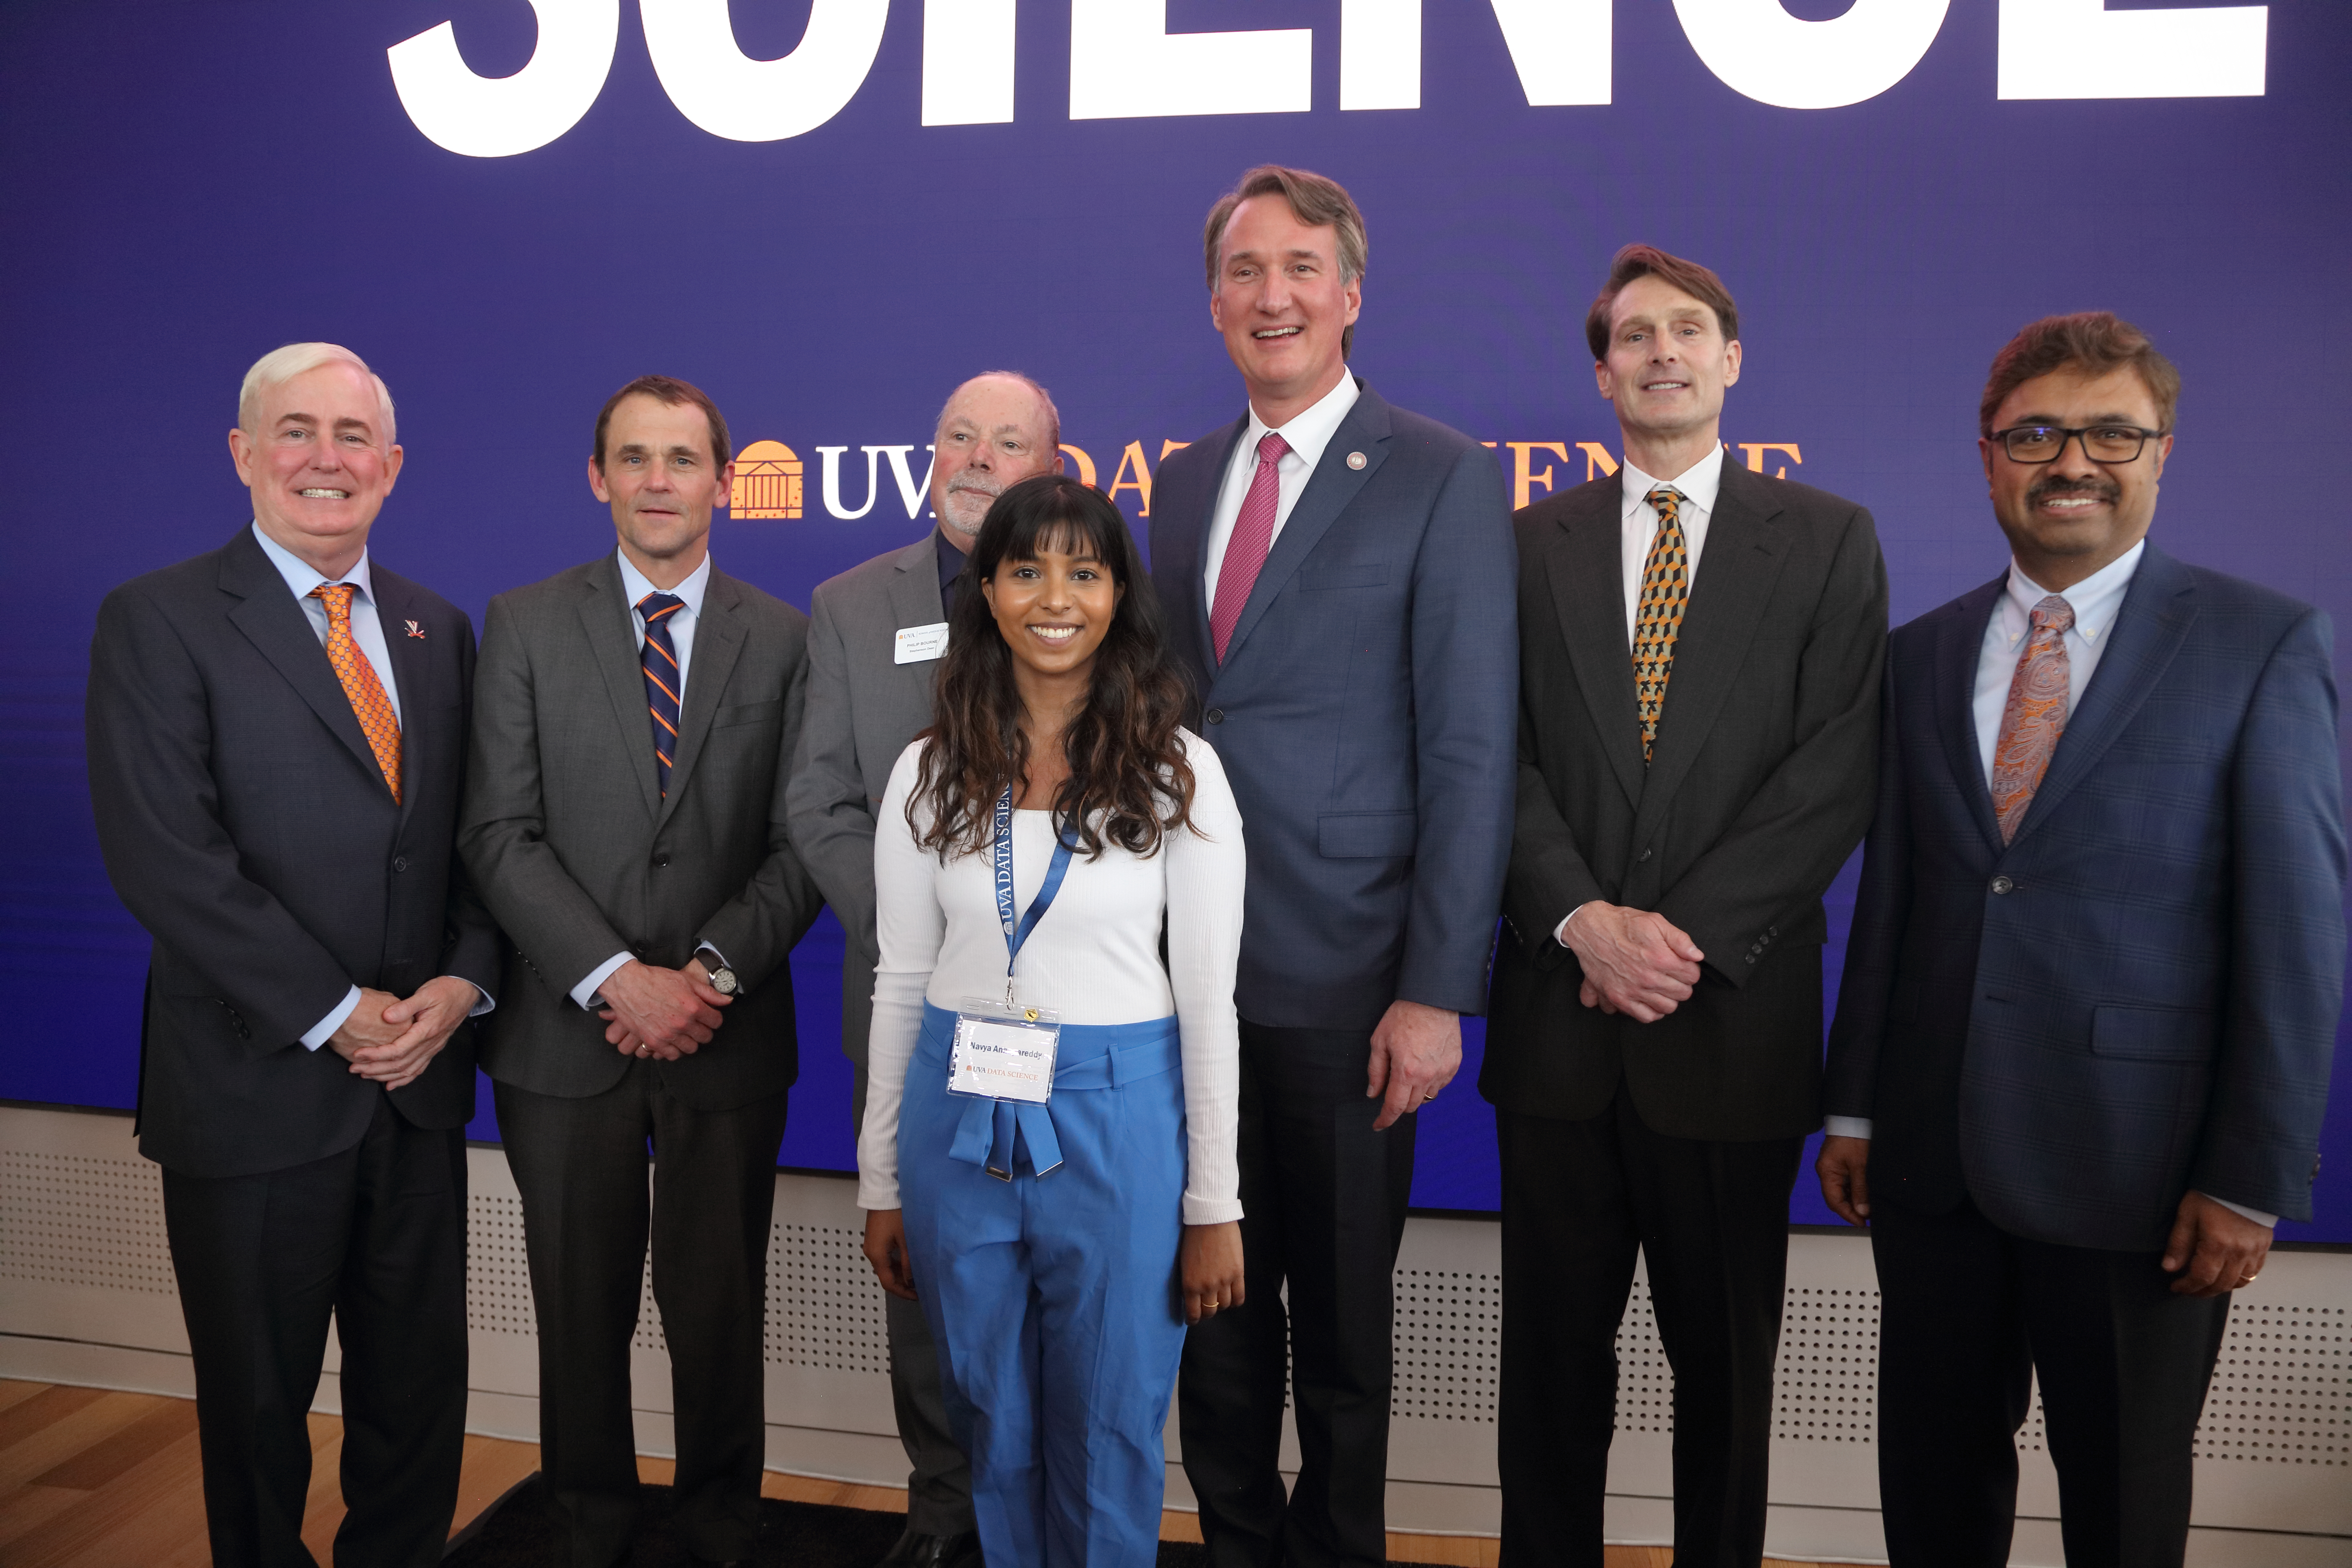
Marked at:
<point>723,981</point>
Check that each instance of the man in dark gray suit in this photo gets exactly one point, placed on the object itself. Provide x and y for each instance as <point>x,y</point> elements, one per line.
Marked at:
<point>876,636</point>
<point>277,736</point>
<point>1699,653</point>
<point>625,819</point>
<point>1336,573</point>
<point>2083,1037</point>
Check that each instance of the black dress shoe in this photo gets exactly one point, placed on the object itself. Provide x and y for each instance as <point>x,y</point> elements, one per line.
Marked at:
<point>916,1550</point>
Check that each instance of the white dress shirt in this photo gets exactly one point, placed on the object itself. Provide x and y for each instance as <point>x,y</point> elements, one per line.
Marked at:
<point>682,622</point>
<point>2096,600</point>
<point>1094,956</point>
<point>1637,526</point>
<point>1308,433</point>
<point>367,631</point>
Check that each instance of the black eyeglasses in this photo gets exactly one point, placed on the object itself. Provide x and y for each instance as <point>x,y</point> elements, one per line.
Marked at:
<point>2101,443</point>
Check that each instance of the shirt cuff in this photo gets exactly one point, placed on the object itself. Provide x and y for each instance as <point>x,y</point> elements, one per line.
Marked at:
<point>1560,932</point>
<point>482,1003</point>
<point>712,949</point>
<point>1846,1126</point>
<point>319,1033</point>
<point>585,994</point>
<point>2268,1221</point>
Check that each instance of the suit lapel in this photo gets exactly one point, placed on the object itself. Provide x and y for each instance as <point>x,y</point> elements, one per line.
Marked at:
<point>914,593</point>
<point>1737,573</point>
<point>717,641</point>
<point>2157,610</point>
<point>605,612</point>
<point>412,672</point>
<point>1329,488</point>
<point>1585,570</point>
<point>280,631</point>
<point>1958,652</point>
<point>1197,546</point>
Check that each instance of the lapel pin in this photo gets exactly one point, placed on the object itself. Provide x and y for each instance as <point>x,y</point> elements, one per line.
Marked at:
<point>1355,460</point>
<point>415,630</point>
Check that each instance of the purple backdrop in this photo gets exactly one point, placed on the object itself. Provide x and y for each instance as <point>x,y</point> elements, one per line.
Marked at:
<point>187,187</point>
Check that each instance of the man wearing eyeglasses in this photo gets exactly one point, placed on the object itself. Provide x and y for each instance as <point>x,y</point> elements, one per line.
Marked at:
<point>2082,1049</point>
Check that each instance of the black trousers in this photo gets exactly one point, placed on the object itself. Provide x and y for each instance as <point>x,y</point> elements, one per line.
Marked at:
<point>1324,1200</point>
<point>580,1166</point>
<point>375,1237</point>
<point>1968,1313</point>
<point>1580,1198</point>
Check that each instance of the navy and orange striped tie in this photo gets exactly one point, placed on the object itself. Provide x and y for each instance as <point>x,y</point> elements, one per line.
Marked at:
<point>659,658</point>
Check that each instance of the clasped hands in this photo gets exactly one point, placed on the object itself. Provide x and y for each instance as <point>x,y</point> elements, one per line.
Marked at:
<point>1636,961</point>
<point>391,1040</point>
<point>660,1013</point>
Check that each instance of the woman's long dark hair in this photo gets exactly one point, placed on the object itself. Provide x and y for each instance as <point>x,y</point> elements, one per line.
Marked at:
<point>1128,781</point>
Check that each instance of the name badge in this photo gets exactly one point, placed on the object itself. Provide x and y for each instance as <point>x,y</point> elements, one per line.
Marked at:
<point>918,645</point>
<point>1004,1052</point>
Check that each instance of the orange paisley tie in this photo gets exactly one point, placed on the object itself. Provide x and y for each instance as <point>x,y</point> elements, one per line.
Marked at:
<point>369,704</point>
<point>2035,716</point>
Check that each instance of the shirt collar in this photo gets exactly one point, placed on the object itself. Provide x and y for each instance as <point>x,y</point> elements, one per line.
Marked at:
<point>1311,430</point>
<point>634,586</point>
<point>2095,600</point>
<point>1700,483</point>
<point>301,576</point>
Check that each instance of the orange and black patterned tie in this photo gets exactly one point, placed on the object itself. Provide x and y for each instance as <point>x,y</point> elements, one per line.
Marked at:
<point>659,658</point>
<point>369,704</point>
<point>1658,613</point>
<point>2034,716</point>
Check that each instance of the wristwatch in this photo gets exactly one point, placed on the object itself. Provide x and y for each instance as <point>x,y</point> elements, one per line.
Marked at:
<point>722,979</point>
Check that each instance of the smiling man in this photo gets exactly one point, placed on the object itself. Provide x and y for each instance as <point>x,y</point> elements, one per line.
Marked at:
<point>2089,1010</point>
<point>625,819</point>
<point>876,637</point>
<point>1698,717</point>
<point>277,735</point>
<point>1335,575</point>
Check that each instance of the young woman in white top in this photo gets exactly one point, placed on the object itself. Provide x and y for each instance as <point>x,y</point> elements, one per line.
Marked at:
<point>1034,844</point>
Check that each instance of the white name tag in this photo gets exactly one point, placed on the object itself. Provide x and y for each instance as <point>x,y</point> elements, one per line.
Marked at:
<point>1003,1059</point>
<point>916,645</point>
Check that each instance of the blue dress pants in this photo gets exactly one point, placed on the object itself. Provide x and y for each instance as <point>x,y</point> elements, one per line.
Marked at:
<point>1054,1298</point>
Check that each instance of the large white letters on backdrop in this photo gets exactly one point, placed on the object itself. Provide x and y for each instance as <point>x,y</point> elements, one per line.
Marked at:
<point>717,87</point>
<point>1762,52</point>
<point>1125,63</point>
<point>2078,48</point>
<point>498,117</point>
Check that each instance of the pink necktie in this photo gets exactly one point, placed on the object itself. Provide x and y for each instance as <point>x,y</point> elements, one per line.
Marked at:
<point>2035,716</point>
<point>1252,536</point>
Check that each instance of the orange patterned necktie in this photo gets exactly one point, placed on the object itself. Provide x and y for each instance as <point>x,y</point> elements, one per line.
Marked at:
<point>369,704</point>
<point>1658,615</point>
<point>2035,716</point>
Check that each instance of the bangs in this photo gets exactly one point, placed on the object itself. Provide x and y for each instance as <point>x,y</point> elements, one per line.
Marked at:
<point>1080,532</point>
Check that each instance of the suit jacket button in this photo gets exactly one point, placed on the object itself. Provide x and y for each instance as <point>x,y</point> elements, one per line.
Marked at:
<point>1216,715</point>
<point>1644,855</point>
<point>400,862</point>
<point>2002,884</point>
<point>661,862</point>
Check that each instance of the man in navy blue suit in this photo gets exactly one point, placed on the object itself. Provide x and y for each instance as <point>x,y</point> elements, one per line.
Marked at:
<point>1339,574</point>
<point>2082,1049</point>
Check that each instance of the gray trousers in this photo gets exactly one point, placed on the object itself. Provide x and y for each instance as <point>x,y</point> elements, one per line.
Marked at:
<point>939,1489</point>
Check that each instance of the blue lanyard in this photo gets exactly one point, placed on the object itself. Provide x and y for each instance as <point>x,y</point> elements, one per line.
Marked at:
<point>1016,936</point>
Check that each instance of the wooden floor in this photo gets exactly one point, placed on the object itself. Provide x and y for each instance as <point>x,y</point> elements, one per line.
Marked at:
<point>92,1478</point>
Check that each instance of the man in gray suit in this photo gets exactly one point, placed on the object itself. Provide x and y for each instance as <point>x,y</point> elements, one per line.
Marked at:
<point>625,820</point>
<point>875,641</point>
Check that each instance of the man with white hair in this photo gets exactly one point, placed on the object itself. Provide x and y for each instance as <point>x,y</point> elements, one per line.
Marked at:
<point>277,735</point>
<point>876,636</point>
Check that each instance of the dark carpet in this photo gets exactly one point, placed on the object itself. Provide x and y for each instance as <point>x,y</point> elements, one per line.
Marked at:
<point>515,1532</point>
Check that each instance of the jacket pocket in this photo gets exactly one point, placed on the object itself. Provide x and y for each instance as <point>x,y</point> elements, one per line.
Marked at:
<point>748,713</point>
<point>1359,835</point>
<point>1346,574</point>
<point>2151,1034</point>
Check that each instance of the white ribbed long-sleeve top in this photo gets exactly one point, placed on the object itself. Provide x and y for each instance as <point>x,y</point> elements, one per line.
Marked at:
<point>1095,957</point>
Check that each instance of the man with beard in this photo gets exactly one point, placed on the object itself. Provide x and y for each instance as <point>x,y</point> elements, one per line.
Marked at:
<point>876,637</point>
<point>2081,1048</point>
<point>625,819</point>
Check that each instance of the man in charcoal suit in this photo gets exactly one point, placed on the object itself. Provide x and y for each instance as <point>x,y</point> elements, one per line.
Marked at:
<point>875,635</point>
<point>2083,1037</point>
<point>277,736</point>
<point>1699,660</point>
<point>1337,573</point>
<point>625,819</point>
